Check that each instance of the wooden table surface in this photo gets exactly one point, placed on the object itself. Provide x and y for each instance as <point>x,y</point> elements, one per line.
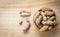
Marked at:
<point>9,17</point>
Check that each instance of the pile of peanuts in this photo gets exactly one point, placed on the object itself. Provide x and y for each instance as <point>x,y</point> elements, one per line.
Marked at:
<point>45,19</point>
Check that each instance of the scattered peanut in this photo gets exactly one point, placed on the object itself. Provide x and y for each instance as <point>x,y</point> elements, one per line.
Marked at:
<point>26,27</point>
<point>25,13</point>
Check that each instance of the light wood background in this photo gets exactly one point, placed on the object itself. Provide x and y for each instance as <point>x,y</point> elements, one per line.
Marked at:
<point>9,17</point>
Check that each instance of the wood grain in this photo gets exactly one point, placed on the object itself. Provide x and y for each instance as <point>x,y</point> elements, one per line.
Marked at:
<point>9,17</point>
